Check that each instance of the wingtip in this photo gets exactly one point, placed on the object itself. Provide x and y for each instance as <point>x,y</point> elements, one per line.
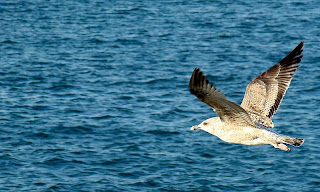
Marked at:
<point>294,57</point>
<point>192,79</point>
<point>300,46</point>
<point>196,69</point>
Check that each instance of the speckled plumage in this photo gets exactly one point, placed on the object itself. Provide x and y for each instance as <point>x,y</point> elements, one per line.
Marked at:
<point>250,123</point>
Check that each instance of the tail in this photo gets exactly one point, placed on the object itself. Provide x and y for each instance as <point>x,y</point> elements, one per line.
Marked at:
<point>297,142</point>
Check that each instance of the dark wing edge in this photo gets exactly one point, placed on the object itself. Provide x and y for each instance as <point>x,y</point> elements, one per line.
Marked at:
<point>289,65</point>
<point>200,87</point>
<point>294,57</point>
<point>280,75</point>
<point>209,94</point>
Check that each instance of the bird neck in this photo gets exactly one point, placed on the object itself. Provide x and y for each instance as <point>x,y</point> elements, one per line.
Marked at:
<point>209,129</point>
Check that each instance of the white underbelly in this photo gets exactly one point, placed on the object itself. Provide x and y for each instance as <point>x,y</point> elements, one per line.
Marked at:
<point>245,136</point>
<point>257,141</point>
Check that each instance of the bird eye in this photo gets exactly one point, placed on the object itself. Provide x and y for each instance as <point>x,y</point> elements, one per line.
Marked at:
<point>205,123</point>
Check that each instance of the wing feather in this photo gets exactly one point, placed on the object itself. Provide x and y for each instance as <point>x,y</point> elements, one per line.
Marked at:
<point>229,112</point>
<point>265,93</point>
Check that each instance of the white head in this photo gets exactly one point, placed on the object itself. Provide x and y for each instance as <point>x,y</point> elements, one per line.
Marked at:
<point>208,125</point>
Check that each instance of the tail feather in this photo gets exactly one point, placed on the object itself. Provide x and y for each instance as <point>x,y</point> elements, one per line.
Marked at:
<point>297,142</point>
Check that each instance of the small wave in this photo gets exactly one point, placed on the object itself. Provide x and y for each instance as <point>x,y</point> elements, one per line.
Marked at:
<point>9,41</point>
<point>40,107</point>
<point>125,97</point>
<point>72,129</point>
<point>129,42</point>
<point>129,10</point>
<point>162,132</point>
<point>60,87</point>
<point>157,81</point>
<point>208,155</point>
<point>96,40</point>
<point>311,89</point>
<point>39,135</point>
<point>102,117</point>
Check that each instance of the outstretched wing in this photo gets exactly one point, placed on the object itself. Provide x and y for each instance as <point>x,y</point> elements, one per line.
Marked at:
<point>265,93</point>
<point>229,112</point>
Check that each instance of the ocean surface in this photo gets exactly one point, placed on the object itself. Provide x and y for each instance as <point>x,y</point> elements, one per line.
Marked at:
<point>94,94</point>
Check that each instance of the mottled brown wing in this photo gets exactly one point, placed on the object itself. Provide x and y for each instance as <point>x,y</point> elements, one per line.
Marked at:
<point>228,111</point>
<point>265,93</point>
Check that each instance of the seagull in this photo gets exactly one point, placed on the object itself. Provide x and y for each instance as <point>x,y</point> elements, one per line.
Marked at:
<point>249,123</point>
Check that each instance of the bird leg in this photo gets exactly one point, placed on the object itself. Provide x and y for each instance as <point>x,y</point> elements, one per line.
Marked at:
<point>281,146</point>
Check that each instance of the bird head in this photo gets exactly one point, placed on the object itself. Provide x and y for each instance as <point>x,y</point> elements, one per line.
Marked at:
<point>207,125</point>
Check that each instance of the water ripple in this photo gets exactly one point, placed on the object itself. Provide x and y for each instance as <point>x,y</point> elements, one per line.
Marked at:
<point>95,94</point>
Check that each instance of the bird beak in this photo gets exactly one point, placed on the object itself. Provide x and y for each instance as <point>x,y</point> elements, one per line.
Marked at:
<point>195,127</point>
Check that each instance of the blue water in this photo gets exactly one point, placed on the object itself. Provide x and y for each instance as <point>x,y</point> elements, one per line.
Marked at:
<point>94,94</point>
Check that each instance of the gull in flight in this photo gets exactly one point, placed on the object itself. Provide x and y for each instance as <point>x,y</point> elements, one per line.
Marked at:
<point>249,123</point>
